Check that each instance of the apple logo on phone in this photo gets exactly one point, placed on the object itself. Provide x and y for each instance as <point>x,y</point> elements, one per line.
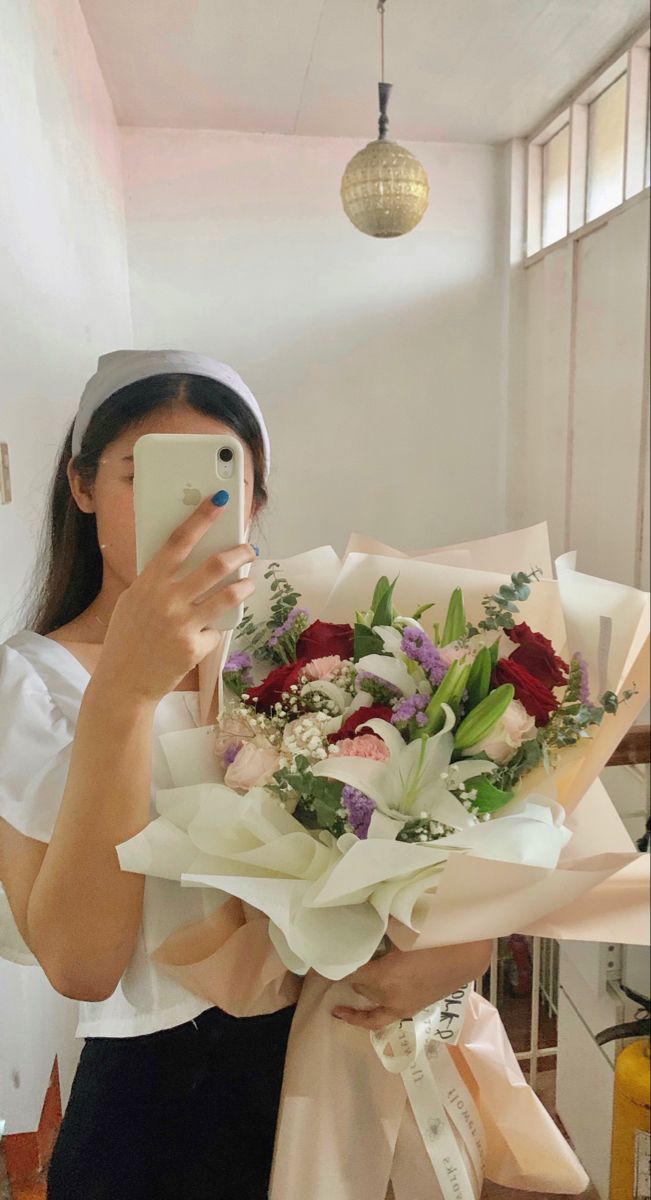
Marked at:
<point>191,495</point>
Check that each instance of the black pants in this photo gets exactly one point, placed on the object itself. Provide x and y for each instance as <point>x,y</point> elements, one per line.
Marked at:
<point>184,1114</point>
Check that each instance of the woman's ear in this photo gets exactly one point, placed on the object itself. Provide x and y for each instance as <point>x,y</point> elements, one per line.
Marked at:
<point>82,492</point>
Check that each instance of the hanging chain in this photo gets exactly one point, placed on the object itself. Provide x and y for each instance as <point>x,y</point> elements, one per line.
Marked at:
<point>380,8</point>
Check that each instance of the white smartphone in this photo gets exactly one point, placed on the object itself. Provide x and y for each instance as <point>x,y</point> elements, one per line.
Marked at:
<point>173,473</point>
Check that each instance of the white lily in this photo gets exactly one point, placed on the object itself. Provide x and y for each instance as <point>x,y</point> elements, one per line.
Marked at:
<point>391,670</point>
<point>416,778</point>
<point>391,638</point>
<point>398,669</point>
<point>392,634</point>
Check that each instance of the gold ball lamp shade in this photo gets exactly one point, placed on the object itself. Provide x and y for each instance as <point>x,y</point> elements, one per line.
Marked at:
<point>384,190</point>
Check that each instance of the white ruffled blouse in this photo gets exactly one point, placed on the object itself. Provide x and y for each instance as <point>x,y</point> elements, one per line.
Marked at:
<point>41,688</point>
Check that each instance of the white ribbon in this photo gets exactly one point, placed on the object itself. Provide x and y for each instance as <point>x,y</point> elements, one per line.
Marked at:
<point>417,1050</point>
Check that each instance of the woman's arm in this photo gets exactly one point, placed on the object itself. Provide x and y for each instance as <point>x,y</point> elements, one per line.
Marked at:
<point>77,910</point>
<point>402,983</point>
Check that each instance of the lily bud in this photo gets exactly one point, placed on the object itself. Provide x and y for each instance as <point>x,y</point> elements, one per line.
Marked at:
<point>481,720</point>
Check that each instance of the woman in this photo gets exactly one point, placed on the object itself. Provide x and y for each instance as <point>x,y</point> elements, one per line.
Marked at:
<point>172,1097</point>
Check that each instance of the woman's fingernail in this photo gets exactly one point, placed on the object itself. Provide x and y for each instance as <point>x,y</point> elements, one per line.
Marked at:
<point>256,550</point>
<point>220,498</point>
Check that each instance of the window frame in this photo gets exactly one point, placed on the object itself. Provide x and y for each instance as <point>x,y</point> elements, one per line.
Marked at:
<point>633,60</point>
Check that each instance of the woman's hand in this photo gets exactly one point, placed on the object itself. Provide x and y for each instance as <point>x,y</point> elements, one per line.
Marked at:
<point>159,628</point>
<point>400,984</point>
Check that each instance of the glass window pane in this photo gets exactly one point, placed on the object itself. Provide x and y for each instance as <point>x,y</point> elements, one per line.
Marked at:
<point>555,173</point>
<point>606,137</point>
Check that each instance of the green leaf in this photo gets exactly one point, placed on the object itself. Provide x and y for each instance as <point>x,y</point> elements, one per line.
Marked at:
<point>380,587</point>
<point>423,609</point>
<point>326,795</point>
<point>489,798</point>
<point>455,621</point>
<point>383,612</point>
<point>449,691</point>
<point>366,642</point>
<point>479,678</point>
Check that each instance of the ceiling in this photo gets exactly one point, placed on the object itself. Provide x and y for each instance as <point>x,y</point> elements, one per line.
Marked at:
<point>463,70</point>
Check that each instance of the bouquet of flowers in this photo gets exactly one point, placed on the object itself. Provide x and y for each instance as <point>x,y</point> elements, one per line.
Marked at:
<point>435,723</point>
<point>404,770</point>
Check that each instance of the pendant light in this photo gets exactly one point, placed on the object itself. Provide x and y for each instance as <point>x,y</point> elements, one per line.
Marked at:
<point>384,190</point>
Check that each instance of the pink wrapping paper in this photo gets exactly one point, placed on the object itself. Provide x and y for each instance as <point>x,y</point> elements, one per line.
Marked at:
<point>340,1103</point>
<point>517,550</point>
<point>228,959</point>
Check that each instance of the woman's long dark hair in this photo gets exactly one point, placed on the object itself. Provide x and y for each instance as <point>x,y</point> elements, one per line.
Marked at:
<point>68,573</point>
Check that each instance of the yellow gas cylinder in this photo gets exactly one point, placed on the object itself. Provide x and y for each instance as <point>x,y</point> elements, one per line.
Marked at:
<point>631,1142</point>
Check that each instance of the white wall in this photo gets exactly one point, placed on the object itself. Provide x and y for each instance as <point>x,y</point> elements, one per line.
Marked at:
<point>579,451</point>
<point>64,299</point>
<point>578,455</point>
<point>379,364</point>
<point>63,276</point>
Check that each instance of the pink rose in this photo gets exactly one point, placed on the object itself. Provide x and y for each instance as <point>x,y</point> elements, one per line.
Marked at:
<point>322,668</point>
<point>254,766</point>
<point>367,745</point>
<point>500,744</point>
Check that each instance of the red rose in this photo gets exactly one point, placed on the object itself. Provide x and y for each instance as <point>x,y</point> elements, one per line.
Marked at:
<point>357,720</point>
<point>537,655</point>
<point>278,681</point>
<point>536,698</point>
<point>322,638</point>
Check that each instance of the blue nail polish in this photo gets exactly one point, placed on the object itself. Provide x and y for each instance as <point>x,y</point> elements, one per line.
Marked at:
<point>220,498</point>
<point>256,549</point>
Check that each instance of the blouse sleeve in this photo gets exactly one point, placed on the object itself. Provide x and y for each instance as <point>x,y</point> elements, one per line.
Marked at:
<point>36,736</point>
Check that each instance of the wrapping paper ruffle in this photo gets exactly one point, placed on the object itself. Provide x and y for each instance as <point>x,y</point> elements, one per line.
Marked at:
<point>354,1116</point>
<point>229,960</point>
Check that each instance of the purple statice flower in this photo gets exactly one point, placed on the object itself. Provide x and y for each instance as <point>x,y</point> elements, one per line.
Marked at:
<point>421,649</point>
<point>360,809</point>
<point>230,753</point>
<point>584,694</point>
<point>365,681</point>
<point>239,663</point>
<point>287,625</point>
<point>411,709</point>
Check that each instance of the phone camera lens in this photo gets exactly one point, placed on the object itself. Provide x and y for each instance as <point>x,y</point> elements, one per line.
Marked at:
<point>225,455</point>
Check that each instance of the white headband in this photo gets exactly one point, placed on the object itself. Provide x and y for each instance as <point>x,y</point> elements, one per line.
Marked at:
<point>122,367</point>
